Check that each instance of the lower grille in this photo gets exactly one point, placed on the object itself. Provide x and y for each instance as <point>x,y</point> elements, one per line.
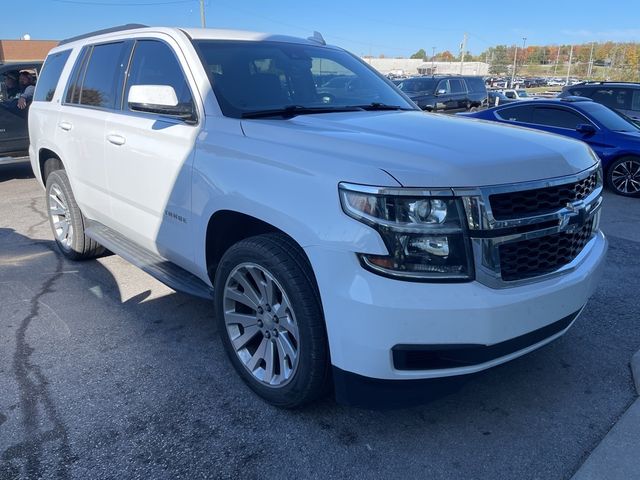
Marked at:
<point>434,357</point>
<point>539,256</point>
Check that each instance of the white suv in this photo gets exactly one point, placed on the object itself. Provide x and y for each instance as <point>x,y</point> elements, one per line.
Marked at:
<point>344,236</point>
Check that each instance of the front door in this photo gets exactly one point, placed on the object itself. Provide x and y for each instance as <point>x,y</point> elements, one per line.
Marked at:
<point>149,158</point>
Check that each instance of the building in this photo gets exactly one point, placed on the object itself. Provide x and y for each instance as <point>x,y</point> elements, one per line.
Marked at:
<point>25,50</point>
<point>412,66</point>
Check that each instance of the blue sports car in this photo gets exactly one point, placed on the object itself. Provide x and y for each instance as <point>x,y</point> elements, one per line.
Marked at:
<point>611,135</point>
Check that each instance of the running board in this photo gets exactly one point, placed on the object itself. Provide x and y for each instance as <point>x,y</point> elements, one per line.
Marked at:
<point>161,269</point>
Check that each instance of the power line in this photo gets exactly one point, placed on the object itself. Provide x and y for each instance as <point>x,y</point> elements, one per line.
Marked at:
<point>126,4</point>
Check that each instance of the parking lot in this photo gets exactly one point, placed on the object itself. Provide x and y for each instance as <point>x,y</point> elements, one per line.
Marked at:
<point>106,373</point>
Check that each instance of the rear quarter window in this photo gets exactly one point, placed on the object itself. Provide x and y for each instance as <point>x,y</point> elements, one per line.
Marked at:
<point>475,84</point>
<point>49,76</point>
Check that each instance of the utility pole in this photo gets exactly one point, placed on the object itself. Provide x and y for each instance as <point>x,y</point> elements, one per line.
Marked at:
<point>463,47</point>
<point>569,67</point>
<point>513,70</point>
<point>203,22</point>
<point>555,66</point>
<point>590,62</point>
<point>524,52</point>
<point>433,57</point>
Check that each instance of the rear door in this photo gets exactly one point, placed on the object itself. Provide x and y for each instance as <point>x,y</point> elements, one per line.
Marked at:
<point>92,92</point>
<point>149,156</point>
<point>459,95</point>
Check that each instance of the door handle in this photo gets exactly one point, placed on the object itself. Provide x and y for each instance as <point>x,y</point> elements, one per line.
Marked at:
<point>66,126</point>
<point>116,139</point>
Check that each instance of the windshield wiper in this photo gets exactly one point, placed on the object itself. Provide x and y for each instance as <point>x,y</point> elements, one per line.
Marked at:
<point>293,110</point>
<point>382,106</point>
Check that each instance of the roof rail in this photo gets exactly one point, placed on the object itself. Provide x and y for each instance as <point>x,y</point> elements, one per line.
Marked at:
<point>119,28</point>
<point>600,82</point>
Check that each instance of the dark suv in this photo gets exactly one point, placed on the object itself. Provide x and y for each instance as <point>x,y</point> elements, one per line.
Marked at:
<point>14,137</point>
<point>623,96</point>
<point>450,94</point>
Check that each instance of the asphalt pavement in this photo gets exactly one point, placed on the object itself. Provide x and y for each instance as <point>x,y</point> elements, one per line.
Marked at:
<point>106,373</point>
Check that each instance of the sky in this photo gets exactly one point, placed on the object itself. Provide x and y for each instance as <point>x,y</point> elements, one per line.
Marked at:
<point>364,26</point>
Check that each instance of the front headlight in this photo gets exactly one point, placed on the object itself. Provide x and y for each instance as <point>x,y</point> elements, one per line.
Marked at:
<point>425,235</point>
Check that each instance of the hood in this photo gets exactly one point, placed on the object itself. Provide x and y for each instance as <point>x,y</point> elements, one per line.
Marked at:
<point>427,150</point>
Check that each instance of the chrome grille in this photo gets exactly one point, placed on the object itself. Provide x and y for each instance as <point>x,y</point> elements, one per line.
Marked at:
<point>542,255</point>
<point>541,200</point>
<point>530,231</point>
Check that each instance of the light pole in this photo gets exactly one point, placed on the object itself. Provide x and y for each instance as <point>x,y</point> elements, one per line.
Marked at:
<point>433,57</point>
<point>515,61</point>
<point>202,19</point>
<point>524,42</point>
<point>513,70</point>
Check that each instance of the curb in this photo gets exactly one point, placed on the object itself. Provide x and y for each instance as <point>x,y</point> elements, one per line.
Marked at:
<point>614,457</point>
<point>635,370</point>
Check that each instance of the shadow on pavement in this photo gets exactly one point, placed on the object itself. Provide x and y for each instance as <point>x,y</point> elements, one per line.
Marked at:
<point>107,376</point>
<point>13,171</point>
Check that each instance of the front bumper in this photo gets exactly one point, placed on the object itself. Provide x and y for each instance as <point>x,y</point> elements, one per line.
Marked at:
<point>368,315</point>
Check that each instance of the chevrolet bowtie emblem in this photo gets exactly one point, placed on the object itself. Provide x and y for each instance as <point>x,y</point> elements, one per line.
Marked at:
<point>575,217</point>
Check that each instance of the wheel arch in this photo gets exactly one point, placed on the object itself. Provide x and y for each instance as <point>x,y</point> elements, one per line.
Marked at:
<point>236,227</point>
<point>48,161</point>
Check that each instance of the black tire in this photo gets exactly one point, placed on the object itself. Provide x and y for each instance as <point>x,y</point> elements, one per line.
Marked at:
<point>282,258</point>
<point>628,164</point>
<point>77,246</point>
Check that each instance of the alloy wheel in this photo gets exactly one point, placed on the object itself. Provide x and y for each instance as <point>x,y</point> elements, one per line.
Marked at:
<point>261,324</point>
<point>60,216</point>
<point>625,177</point>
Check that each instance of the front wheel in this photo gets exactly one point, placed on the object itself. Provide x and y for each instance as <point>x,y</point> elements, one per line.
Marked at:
<point>270,320</point>
<point>623,176</point>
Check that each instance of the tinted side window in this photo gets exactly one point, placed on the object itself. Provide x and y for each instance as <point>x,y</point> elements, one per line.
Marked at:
<point>613,97</point>
<point>635,101</point>
<point>516,114</point>
<point>99,87</point>
<point>77,74</point>
<point>50,75</point>
<point>557,117</point>
<point>154,63</point>
<point>443,85</point>
<point>457,86</point>
<point>475,84</point>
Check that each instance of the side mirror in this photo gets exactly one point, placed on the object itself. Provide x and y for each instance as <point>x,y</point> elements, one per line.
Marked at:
<point>586,129</point>
<point>442,91</point>
<point>160,99</point>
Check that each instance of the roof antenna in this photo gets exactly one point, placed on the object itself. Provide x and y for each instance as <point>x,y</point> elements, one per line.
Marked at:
<point>318,38</point>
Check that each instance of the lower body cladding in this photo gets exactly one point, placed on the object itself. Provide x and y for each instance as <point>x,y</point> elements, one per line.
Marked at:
<point>394,337</point>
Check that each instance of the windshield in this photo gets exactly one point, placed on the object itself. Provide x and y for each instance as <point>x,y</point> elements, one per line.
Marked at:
<point>522,93</point>
<point>254,77</point>
<point>609,118</point>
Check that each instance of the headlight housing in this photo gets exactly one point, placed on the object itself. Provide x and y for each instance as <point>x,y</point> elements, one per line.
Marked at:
<point>424,232</point>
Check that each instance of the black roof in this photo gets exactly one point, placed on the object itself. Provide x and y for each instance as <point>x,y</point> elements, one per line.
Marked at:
<point>596,84</point>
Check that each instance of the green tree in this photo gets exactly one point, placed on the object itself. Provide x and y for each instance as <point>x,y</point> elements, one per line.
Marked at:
<point>420,54</point>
